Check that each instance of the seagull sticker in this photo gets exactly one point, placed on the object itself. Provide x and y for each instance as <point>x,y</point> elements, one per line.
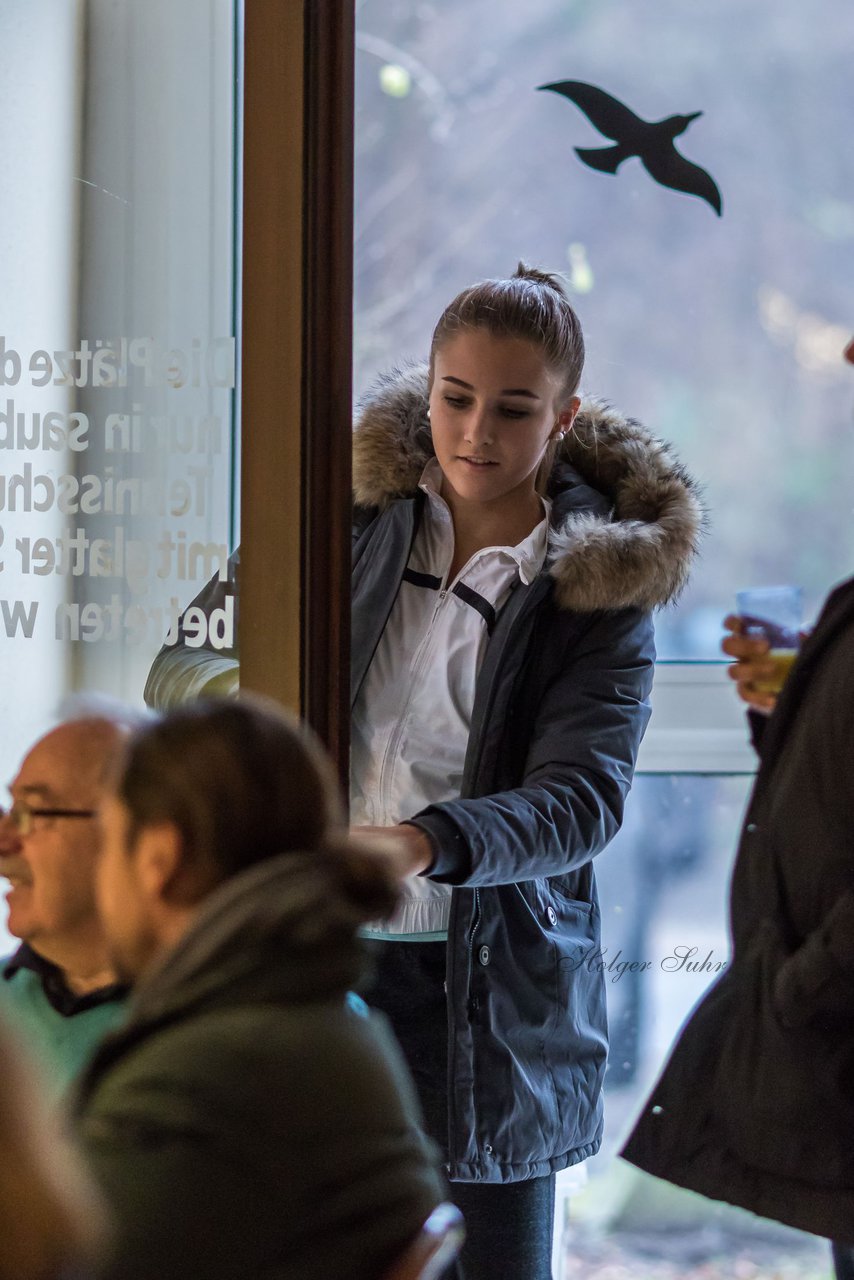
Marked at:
<point>651,141</point>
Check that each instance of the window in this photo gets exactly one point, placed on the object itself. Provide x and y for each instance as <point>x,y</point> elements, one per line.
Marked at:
<point>118,323</point>
<point>723,334</point>
<point>118,411</point>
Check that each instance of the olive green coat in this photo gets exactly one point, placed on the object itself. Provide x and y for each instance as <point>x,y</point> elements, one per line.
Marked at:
<point>246,1122</point>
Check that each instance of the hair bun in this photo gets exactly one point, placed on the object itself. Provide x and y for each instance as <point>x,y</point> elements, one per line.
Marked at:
<point>532,274</point>
<point>532,305</point>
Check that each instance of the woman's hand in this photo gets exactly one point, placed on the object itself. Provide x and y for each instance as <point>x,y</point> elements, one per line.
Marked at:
<point>751,664</point>
<point>406,847</point>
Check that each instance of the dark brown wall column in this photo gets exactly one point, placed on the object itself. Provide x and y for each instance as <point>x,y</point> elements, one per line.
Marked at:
<point>297,342</point>
<point>328,363</point>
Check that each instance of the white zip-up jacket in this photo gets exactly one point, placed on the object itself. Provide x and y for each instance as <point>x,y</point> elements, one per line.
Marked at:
<point>412,718</point>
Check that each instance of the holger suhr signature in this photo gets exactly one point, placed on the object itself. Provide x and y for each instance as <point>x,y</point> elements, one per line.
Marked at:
<point>682,959</point>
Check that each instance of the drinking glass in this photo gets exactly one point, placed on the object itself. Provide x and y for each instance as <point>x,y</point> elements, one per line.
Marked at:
<point>776,613</point>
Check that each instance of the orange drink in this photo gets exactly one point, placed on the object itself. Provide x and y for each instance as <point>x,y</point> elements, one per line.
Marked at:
<point>783,661</point>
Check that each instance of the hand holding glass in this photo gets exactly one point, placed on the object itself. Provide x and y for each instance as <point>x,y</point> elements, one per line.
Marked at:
<point>776,614</point>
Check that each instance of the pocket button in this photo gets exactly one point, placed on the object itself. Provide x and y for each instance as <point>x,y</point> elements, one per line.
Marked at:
<point>552,915</point>
<point>483,955</point>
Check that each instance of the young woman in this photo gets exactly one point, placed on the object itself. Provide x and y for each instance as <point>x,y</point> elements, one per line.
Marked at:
<point>510,545</point>
<point>509,551</point>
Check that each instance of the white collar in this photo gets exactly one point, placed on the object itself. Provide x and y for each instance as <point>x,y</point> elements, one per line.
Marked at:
<point>529,554</point>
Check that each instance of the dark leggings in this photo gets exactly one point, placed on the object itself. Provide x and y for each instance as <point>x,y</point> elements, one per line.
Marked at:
<point>508,1225</point>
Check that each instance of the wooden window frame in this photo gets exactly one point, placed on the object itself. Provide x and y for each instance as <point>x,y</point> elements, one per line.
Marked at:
<point>296,400</point>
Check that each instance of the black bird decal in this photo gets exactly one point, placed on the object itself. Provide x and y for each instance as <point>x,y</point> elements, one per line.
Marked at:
<point>651,141</point>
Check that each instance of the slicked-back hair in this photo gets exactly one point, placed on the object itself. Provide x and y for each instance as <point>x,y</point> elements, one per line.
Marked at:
<point>532,305</point>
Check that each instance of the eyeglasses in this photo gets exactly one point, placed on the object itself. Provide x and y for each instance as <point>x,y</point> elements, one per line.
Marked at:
<point>21,815</point>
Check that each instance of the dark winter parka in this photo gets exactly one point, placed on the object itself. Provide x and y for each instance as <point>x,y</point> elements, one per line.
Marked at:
<point>561,704</point>
<point>756,1105</point>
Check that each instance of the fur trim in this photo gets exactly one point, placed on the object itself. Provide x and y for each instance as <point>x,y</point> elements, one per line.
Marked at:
<point>638,555</point>
<point>392,443</point>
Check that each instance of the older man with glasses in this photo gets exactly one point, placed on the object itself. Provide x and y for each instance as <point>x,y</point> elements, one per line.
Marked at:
<point>58,990</point>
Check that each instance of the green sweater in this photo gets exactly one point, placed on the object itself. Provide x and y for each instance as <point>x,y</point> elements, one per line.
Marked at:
<point>61,1045</point>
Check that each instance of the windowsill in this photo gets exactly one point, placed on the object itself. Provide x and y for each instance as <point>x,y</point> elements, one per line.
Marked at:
<point>698,723</point>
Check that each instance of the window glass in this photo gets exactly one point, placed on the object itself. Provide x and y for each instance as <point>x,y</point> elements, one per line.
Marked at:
<point>118,342</point>
<point>663,892</point>
<point>118,356</point>
<point>723,334</point>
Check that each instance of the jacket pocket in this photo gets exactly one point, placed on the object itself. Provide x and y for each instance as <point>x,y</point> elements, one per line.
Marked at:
<point>578,1047</point>
<point>561,887</point>
<point>784,1095</point>
<point>539,1031</point>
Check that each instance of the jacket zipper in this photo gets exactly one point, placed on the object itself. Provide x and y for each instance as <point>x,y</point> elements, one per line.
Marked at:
<point>471,1005</point>
<point>393,743</point>
<point>417,665</point>
<point>391,750</point>
<point>452,1040</point>
<point>472,1000</point>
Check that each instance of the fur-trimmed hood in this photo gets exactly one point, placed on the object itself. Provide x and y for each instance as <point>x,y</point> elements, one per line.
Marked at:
<point>626,516</point>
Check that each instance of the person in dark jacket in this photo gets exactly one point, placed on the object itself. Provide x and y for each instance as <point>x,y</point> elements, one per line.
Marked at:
<point>245,1122</point>
<point>510,544</point>
<point>756,1104</point>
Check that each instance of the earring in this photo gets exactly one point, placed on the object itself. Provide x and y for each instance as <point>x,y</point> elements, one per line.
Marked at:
<point>559,435</point>
<point>428,414</point>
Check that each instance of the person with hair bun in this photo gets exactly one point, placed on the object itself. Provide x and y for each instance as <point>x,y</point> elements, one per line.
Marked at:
<point>245,1122</point>
<point>511,543</point>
